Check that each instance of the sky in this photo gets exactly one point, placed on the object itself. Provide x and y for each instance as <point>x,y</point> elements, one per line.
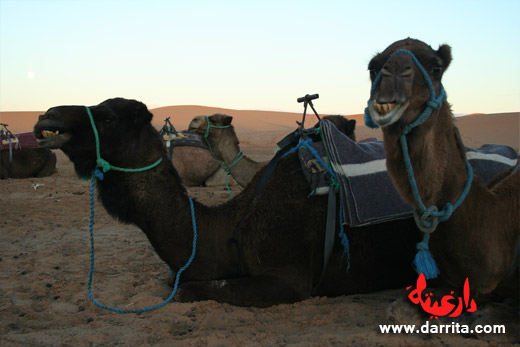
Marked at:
<point>250,55</point>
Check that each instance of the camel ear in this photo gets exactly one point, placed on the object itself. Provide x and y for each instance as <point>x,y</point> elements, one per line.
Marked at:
<point>351,126</point>
<point>142,115</point>
<point>221,119</point>
<point>444,53</point>
<point>226,120</point>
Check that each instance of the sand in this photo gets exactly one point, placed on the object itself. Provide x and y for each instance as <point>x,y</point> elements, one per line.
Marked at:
<point>44,268</point>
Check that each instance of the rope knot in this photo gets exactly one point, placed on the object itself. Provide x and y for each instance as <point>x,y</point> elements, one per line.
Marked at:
<point>422,246</point>
<point>446,212</point>
<point>427,221</point>
<point>103,164</point>
<point>435,104</point>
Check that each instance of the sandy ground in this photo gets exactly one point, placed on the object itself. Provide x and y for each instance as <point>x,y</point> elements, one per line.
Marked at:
<point>44,266</point>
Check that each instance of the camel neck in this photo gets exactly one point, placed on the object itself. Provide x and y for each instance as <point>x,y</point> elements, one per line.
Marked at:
<point>437,157</point>
<point>158,204</point>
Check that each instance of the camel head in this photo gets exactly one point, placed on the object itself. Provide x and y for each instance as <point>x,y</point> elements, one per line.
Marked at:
<point>399,88</point>
<point>218,132</point>
<point>344,125</point>
<point>69,128</point>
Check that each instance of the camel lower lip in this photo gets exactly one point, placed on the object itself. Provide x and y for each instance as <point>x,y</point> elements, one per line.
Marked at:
<point>54,142</point>
<point>390,117</point>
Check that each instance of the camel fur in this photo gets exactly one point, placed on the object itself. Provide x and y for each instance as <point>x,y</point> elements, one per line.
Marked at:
<point>480,239</point>
<point>279,254</point>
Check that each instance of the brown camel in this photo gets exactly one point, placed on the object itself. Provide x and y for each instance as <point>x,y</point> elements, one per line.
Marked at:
<point>279,254</point>
<point>27,162</point>
<point>195,165</point>
<point>225,145</point>
<point>481,237</point>
<point>21,157</point>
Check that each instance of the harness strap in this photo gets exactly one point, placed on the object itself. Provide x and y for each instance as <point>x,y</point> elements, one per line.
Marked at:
<point>330,230</point>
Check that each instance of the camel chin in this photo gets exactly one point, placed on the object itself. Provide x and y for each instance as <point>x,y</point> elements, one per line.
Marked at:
<point>387,114</point>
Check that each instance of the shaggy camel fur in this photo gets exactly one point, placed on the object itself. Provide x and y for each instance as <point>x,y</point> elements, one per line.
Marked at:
<point>27,162</point>
<point>279,254</point>
<point>224,142</point>
<point>480,239</point>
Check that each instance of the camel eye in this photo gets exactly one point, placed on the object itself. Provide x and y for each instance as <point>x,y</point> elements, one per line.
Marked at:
<point>373,73</point>
<point>437,70</point>
<point>107,120</point>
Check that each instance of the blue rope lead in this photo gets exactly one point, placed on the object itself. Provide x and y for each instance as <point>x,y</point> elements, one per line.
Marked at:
<point>99,175</point>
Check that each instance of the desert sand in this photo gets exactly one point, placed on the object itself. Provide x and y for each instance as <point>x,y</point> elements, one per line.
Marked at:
<point>44,265</point>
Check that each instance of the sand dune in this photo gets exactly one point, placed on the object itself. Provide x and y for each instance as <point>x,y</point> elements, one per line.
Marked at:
<point>268,127</point>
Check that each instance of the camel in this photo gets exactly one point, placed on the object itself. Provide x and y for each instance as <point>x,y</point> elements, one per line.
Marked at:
<point>226,148</point>
<point>21,157</point>
<point>278,256</point>
<point>27,162</point>
<point>480,239</point>
<point>195,165</point>
<point>225,145</point>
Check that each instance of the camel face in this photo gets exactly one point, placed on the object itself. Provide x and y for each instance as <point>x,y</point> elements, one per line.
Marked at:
<point>68,128</point>
<point>401,90</point>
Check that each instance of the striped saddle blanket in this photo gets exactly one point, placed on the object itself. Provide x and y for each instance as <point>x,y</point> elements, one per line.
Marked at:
<point>367,192</point>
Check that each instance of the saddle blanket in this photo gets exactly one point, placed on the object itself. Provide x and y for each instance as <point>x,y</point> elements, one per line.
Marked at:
<point>366,189</point>
<point>184,139</point>
<point>18,141</point>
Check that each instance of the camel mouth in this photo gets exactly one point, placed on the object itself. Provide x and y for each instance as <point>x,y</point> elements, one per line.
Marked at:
<point>50,135</point>
<point>388,113</point>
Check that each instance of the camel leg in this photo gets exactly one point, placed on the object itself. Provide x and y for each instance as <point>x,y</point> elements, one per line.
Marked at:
<point>260,291</point>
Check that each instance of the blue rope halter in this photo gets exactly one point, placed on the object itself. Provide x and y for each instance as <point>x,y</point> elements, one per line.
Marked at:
<point>99,175</point>
<point>426,218</point>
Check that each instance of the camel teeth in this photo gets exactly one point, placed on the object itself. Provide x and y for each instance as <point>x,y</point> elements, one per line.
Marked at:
<point>383,109</point>
<point>47,133</point>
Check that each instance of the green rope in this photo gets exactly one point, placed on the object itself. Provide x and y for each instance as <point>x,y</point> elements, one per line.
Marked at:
<point>223,165</point>
<point>105,165</point>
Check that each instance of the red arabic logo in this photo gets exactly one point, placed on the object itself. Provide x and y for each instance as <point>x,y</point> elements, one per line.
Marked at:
<point>448,306</point>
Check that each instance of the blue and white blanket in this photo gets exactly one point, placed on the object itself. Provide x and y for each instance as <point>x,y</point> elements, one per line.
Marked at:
<point>367,191</point>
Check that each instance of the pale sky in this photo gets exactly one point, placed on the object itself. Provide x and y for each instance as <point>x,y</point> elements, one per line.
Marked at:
<point>256,55</point>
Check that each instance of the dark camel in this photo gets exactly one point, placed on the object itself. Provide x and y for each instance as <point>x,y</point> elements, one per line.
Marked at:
<point>281,242</point>
<point>27,162</point>
<point>480,239</point>
<point>224,142</point>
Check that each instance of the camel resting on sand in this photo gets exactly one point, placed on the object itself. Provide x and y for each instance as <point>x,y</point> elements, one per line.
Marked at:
<point>21,157</point>
<point>225,145</point>
<point>479,236</point>
<point>27,162</point>
<point>278,257</point>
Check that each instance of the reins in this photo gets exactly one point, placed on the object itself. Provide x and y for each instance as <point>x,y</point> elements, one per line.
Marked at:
<point>99,174</point>
<point>226,167</point>
<point>426,218</point>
